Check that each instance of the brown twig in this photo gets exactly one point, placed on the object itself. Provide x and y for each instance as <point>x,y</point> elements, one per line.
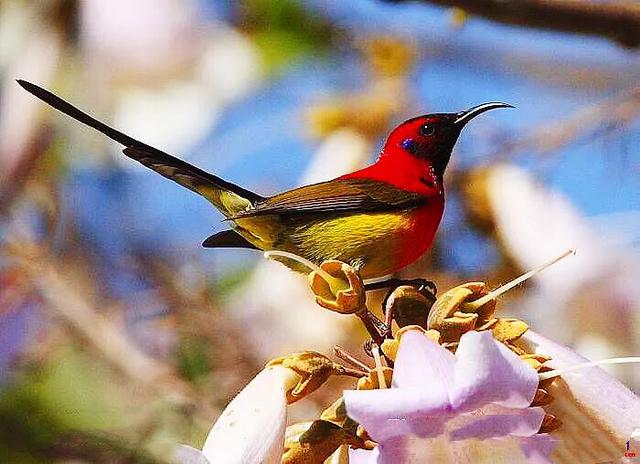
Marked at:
<point>343,354</point>
<point>14,179</point>
<point>198,315</point>
<point>69,305</point>
<point>617,20</point>
<point>374,326</point>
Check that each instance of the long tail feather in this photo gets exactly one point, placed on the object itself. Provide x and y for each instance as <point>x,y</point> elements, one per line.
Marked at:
<point>228,197</point>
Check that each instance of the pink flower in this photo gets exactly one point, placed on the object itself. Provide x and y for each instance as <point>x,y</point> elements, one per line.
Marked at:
<point>467,407</point>
<point>599,414</point>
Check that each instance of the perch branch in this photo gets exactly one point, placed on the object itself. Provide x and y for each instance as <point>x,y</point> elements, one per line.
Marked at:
<point>66,302</point>
<point>617,20</point>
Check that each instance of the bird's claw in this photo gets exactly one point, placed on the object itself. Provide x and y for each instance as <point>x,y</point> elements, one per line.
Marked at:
<point>428,286</point>
<point>422,285</point>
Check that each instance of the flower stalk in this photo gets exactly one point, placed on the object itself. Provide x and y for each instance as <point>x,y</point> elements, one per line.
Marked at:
<point>474,305</point>
<point>379,368</point>
<point>350,298</point>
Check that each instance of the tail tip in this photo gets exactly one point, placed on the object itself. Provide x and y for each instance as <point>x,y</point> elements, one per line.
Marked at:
<point>28,86</point>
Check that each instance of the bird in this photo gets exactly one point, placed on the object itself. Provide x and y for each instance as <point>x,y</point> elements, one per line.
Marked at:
<point>378,219</point>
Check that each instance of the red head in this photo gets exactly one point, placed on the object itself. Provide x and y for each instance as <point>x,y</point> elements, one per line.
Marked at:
<point>429,139</point>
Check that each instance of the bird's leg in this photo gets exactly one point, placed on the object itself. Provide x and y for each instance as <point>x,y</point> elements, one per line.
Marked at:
<point>420,284</point>
<point>343,354</point>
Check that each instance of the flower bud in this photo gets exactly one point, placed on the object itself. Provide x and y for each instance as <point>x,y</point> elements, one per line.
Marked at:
<point>335,413</point>
<point>449,317</point>
<point>319,442</point>
<point>339,288</point>
<point>509,330</point>
<point>550,423</point>
<point>313,370</point>
<point>390,345</point>
<point>371,382</point>
<point>409,306</point>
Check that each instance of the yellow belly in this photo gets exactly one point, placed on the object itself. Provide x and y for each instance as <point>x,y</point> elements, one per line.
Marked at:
<point>368,241</point>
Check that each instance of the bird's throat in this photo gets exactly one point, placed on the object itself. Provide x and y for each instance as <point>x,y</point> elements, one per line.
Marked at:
<point>405,172</point>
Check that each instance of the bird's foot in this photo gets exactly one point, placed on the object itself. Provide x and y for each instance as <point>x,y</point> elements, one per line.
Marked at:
<point>420,284</point>
<point>423,286</point>
<point>426,287</point>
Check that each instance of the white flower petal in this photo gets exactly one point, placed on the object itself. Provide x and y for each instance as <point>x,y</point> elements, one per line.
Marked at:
<point>360,456</point>
<point>187,455</point>
<point>251,428</point>
<point>590,403</point>
<point>414,450</point>
<point>479,413</point>
<point>524,211</point>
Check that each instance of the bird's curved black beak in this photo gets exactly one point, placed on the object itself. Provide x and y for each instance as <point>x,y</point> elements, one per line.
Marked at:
<point>464,117</point>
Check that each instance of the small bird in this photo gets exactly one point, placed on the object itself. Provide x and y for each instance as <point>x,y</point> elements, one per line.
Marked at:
<point>378,219</point>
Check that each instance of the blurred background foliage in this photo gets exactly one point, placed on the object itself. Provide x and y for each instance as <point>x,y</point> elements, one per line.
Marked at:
<point>120,336</point>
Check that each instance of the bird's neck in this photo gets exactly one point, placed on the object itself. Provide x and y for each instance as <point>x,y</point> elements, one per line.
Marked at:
<point>404,171</point>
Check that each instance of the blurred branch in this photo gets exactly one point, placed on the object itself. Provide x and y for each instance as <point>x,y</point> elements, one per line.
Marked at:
<point>547,138</point>
<point>198,316</point>
<point>616,112</point>
<point>64,299</point>
<point>24,138</point>
<point>99,447</point>
<point>617,20</point>
<point>13,179</point>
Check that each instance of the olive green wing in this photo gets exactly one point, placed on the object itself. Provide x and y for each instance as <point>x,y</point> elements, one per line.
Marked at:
<point>336,196</point>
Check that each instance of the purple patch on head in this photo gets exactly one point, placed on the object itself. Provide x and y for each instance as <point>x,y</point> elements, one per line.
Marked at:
<point>408,145</point>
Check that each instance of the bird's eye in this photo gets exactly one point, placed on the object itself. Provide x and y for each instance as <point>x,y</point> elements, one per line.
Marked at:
<point>427,130</point>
